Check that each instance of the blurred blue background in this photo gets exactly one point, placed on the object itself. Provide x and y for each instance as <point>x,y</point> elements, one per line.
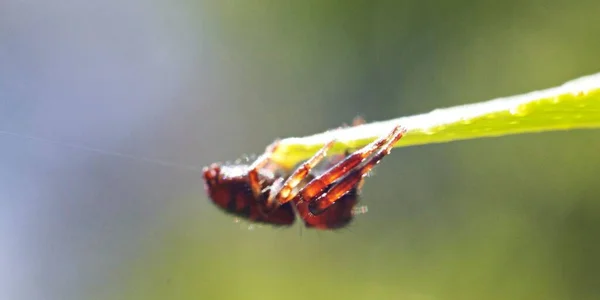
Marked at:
<point>194,82</point>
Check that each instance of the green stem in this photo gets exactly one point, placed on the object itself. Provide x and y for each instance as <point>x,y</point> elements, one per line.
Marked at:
<point>573,105</point>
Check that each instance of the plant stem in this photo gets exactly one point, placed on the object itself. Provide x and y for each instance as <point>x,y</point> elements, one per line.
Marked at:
<point>573,105</point>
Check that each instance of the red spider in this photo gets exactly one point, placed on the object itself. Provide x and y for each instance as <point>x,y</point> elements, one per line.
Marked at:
<point>324,199</point>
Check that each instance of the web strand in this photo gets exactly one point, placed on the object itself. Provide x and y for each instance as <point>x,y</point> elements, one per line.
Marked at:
<point>102,151</point>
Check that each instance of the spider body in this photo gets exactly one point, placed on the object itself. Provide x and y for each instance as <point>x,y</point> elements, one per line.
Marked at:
<point>229,189</point>
<point>323,198</point>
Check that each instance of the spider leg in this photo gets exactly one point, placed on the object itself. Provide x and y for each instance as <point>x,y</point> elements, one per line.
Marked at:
<point>325,200</point>
<point>358,120</point>
<point>286,192</point>
<point>350,176</point>
<point>259,163</point>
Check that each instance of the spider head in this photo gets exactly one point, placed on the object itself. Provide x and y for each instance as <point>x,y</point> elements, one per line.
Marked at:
<point>218,187</point>
<point>211,176</point>
<point>227,187</point>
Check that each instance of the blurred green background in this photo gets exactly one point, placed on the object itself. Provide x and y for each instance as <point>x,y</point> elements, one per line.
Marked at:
<point>507,218</point>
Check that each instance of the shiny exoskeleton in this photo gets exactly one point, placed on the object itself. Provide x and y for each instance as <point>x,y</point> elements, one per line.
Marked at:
<point>324,198</point>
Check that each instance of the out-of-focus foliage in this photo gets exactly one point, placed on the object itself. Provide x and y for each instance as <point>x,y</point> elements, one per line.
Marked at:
<point>510,218</point>
<point>575,105</point>
<point>203,81</point>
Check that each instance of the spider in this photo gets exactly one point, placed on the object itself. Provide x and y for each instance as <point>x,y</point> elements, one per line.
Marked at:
<point>263,192</point>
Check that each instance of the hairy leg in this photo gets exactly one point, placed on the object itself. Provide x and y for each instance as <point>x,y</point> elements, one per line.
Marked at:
<point>286,190</point>
<point>346,170</point>
<point>254,168</point>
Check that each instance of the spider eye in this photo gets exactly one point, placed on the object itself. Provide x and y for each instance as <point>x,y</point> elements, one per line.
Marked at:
<point>211,172</point>
<point>211,177</point>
